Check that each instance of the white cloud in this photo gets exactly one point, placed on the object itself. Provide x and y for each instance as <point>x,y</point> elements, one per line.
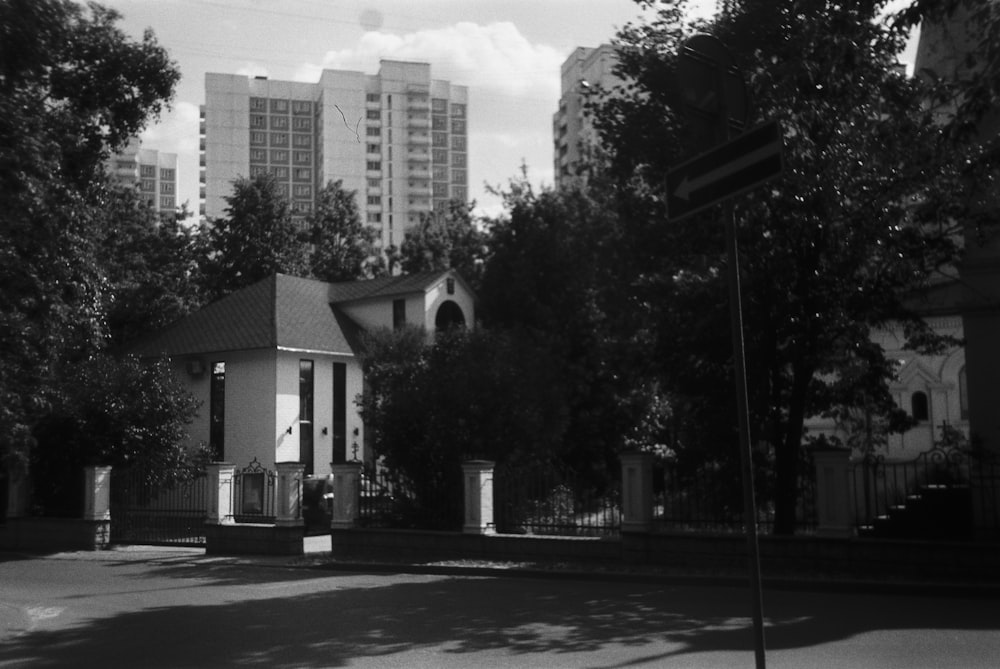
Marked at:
<point>176,131</point>
<point>494,57</point>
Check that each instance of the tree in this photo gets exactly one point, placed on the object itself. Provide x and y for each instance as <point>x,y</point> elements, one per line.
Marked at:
<point>877,187</point>
<point>343,247</point>
<point>73,88</point>
<point>445,240</point>
<point>256,239</point>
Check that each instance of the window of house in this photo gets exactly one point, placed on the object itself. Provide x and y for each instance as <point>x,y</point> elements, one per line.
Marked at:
<point>302,141</point>
<point>458,110</point>
<point>373,114</point>
<point>258,104</point>
<point>439,105</point>
<point>302,124</point>
<point>303,174</point>
<point>279,106</point>
<point>918,406</point>
<point>374,148</point>
<point>373,131</point>
<point>147,171</point>
<point>217,412</point>
<point>301,107</point>
<point>371,97</point>
<point>258,156</point>
<point>398,313</point>
<point>279,122</point>
<point>339,412</point>
<point>374,165</point>
<point>302,157</point>
<point>167,174</point>
<point>258,138</point>
<point>306,396</point>
<point>279,156</point>
<point>458,126</point>
<point>279,139</point>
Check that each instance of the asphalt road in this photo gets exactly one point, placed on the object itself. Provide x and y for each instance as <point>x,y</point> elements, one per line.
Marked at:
<point>165,610</point>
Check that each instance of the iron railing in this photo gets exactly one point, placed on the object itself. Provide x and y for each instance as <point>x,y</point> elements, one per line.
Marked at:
<point>254,494</point>
<point>148,510</point>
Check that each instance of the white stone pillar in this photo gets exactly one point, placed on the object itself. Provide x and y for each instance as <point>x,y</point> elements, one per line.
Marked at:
<point>346,494</point>
<point>220,493</point>
<point>637,492</point>
<point>97,493</point>
<point>834,502</point>
<point>288,503</point>
<point>477,476</point>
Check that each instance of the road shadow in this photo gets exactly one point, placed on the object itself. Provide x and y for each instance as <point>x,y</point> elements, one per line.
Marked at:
<point>520,618</point>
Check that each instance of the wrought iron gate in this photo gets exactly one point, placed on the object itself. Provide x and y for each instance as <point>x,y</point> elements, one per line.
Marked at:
<point>146,511</point>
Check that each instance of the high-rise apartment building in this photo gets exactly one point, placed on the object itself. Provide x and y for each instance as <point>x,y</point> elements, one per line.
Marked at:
<point>398,138</point>
<point>586,69</point>
<point>154,172</point>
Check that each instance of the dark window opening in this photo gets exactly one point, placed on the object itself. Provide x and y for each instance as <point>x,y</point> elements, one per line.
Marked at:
<point>918,406</point>
<point>339,412</point>
<point>449,315</point>
<point>217,412</point>
<point>398,313</point>
<point>306,415</point>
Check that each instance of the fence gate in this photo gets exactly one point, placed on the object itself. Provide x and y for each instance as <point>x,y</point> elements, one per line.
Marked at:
<point>146,511</point>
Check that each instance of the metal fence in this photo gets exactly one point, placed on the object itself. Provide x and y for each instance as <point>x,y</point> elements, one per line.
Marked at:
<point>553,500</point>
<point>708,497</point>
<point>944,493</point>
<point>389,499</point>
<point>148,510</point>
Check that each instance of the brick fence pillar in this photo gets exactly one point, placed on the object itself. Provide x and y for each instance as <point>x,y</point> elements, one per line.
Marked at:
<point>346,495</point>
<point>834,503</point>
<point>637,492</point>
<point>477,478</point>
<point>220,493</point>
<point>288,500</point>
<point>97,493</point>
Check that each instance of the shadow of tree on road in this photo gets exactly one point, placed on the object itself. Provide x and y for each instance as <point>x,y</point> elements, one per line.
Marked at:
<point>334,621</point>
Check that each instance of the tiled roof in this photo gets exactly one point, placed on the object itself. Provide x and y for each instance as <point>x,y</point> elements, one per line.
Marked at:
<point>280,311</point>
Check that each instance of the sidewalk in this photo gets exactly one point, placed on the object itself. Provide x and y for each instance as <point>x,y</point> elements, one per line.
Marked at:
<point>317,556</point>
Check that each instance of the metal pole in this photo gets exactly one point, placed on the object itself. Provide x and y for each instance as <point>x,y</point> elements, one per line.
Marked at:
<point>746,458</point>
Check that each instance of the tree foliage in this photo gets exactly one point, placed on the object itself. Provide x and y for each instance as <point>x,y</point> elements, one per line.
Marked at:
<point>343,247</point>
<point>256,239</point>
<point>445,240</point>
<point>876,189</point>
<point>72,88</point>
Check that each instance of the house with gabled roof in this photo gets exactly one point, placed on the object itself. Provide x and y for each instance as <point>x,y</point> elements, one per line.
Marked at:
<point>276,364</point>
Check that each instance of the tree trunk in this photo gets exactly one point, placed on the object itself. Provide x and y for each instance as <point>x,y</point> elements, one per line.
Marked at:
<point>786,456</point>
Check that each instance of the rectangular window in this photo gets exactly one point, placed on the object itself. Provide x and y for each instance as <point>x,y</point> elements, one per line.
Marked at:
<point>258,121</point>
<point>279,106</point>
<point>301,107</point>
<point>279,123</point>
<point>439,123</point>
<point>279,139</point>
<point>303,174</point>
<point>440,172</point>
<point>371,97</point>
<point>440,139</point>
<point>398,313</point>
<point>458,126</point>
<point>340,412</point>
<point>258,156</point>
<point>373,114</point>
<point>167,174</point>
<point>373,131</point>
<point>374,217</point>
<point>458,159</point>
<point>299,207</point>
<point>279,172</point>
<point>458,110</point>
<point>302,124</point>
<point>306,415</point>
<point>166,189</point>
<point>302,141</point>
<point>279,156</point>
<point>458,143</point>
<point>258,104</point>
<point>439,105</point>
<point>147,171</point>
<point>217,412</point>
<point>458,176</point>
<point>258,138</point>
<point>167,202</point>
<point>440,189</point>
<point>374,199</point>
<point>148,186</point>
<point>374,148</point>
<point>303,157</point>
<point>303,191</point>
<point>440,156</point>
<point>375,165</point>
<point>257,170</point>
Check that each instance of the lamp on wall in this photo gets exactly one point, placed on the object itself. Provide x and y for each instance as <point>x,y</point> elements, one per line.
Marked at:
<point>326,431</point>
<point>289,430</point>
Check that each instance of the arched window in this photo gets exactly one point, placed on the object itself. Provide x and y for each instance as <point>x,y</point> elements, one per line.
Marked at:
<point>449,314</point>
<point>918,406</point>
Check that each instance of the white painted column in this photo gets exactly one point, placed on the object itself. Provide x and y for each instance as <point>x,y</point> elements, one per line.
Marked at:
<point>97,493</point>
<point>477,476</point>
<point>288,503</point>
<point>346,493</point>
<point>220,493</point>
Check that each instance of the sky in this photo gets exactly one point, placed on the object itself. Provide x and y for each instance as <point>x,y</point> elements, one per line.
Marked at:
<point>508,53</point>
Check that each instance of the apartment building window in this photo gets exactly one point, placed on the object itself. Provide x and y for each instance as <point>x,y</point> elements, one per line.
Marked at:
<point>258,104</point>
<point>147,171</point>
<point>279,156</point>
<point>374,148</point>
<point>439,106</point>
<point>440,189</point>
<point>279,139</point>
<point>167,188</point>
<point>303,174</point>
<point>166,203</point>
<point>460,193</point>
<point>440,139</point>
<point>458,126</point>
<point>301,107</point>
<point>374,183</point>
<point>258,138</point>
<point>398,313</point>
<point>458,110</point>
<point>258,121</point>
<point>299,207</point>
<point>375,165</point>
<point>147,185</point>
<point>258,156</point>
<point>279,172</point>
<point>217,411</point>
<point>302,190</point>
<point>279,123</point>
<point>375,199</point>
<point>373,114</point>
<point>458,143</point>
<point>302,157</point>
<point>339,412</point>
<point>302,124</point>
<point>373,131</point>
<point>302,141</point>
<point>306,397</point>
<point>440,172</point>
<point>374,217</point>
<point>167,174</point>
<point>458,159</point>
<point>440,156</point>
<point>257,170</point>
<point>279,106</point>
<point>458,176</point>
<point>439,123</point>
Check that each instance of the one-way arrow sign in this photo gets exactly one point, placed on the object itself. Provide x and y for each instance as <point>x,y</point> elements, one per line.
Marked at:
<point>725,171</point>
